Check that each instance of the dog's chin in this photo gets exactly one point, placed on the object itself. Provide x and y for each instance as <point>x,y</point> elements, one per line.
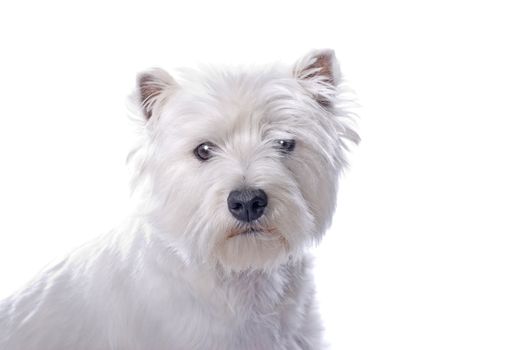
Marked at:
<point>253,248</point>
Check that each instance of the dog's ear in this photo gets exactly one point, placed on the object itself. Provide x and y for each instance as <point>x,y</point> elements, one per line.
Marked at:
<point>319,73</point>
<point>153,86</point>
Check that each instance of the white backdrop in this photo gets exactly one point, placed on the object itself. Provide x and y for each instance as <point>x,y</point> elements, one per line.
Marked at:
<point>426,250</point>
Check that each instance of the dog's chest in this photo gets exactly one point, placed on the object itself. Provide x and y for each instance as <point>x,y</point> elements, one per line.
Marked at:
<point>246,311</point>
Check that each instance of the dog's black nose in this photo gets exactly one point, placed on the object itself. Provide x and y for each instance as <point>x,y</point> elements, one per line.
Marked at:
<point>247,204</point>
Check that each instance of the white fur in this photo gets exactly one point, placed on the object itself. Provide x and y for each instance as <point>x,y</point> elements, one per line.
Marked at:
<point>173,276</point>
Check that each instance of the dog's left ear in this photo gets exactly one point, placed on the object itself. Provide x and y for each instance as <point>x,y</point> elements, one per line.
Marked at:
<point>153,86</point>
<point>319,73</point>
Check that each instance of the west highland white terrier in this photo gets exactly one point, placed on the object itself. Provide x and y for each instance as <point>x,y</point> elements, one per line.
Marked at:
<point>236,177</point>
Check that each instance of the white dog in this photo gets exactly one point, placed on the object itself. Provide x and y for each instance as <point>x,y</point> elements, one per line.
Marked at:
<point>236,176</point>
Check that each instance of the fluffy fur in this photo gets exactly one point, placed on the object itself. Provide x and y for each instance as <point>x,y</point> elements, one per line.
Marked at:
<point>182,272</point>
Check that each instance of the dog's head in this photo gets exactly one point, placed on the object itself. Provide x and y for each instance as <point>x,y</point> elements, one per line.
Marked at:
<point>240,168</point>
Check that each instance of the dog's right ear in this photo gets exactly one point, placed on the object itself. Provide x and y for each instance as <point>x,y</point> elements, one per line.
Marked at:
<point>153,86</point>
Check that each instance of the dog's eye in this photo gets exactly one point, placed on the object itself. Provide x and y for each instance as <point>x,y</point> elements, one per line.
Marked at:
<point>204,151</point>
<point>286,146</point>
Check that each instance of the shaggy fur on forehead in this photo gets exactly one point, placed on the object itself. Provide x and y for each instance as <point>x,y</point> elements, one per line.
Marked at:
<point>219,101</point>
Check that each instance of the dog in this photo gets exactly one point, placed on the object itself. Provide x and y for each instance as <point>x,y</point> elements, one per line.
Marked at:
<point>235,177</point>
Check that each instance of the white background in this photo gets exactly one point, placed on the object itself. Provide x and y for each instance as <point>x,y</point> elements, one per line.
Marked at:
<point>426,251</point>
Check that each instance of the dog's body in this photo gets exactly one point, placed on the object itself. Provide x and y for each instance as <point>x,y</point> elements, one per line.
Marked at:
<point>236,176</point>
<point>127,291</point>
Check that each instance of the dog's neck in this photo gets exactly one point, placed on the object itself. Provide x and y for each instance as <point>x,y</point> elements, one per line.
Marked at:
<point>155,269</point>
<point>162,258</point>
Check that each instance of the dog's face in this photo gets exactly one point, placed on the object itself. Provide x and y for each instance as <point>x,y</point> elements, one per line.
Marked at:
<point>241,168</point>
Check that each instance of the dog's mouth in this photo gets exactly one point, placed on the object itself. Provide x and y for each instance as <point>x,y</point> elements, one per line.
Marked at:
<point>251,231</point>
